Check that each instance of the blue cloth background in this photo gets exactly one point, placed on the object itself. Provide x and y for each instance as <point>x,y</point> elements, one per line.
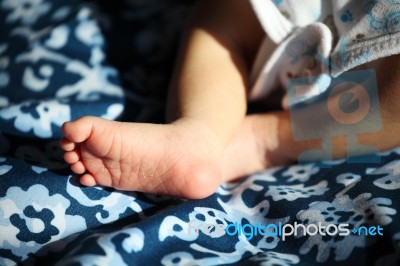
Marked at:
<point>60,60</point>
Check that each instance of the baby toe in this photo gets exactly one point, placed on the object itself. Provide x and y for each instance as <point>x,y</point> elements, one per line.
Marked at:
<point>79,130</point>
<point>88,180</point>
<point>67,145</point>
<point>78,168</point>
<point>71,157</point>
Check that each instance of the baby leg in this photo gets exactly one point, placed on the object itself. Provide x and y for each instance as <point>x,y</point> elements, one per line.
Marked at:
<point>207,105</point>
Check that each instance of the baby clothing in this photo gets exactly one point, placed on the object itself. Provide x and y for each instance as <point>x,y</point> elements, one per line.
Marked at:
<point>321,38</point>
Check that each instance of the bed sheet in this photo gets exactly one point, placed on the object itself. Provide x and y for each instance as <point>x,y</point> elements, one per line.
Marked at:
<point>60,60</point>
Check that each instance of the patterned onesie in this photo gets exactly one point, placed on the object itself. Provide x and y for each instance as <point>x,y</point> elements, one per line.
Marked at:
<point>310,37</point>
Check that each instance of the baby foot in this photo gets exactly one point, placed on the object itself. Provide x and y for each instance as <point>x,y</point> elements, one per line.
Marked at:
<point>178,159</point>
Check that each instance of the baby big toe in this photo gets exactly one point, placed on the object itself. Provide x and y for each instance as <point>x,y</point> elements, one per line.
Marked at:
<point>78,130</point>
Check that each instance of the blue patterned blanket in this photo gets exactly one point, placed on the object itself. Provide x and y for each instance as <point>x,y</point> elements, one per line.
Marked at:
<point>60,60</point>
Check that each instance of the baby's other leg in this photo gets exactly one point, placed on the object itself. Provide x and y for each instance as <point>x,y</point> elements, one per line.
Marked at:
<point>266,140</point>
<point>258,144</point>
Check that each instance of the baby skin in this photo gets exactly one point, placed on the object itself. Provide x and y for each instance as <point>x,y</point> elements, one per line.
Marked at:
<point>184,158</point>
<point>176,159</point>
<point>208,138</point>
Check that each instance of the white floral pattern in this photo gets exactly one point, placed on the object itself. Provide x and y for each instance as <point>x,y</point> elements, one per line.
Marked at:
<point>391,180</point>
<point>58,81</point>
<point>112,205</point>
<point>26,11</point>
<point>48,113</point>
<point>355,211</point>
<point>300,173</point>
<point>35,220</point>
<point>295,192</point>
